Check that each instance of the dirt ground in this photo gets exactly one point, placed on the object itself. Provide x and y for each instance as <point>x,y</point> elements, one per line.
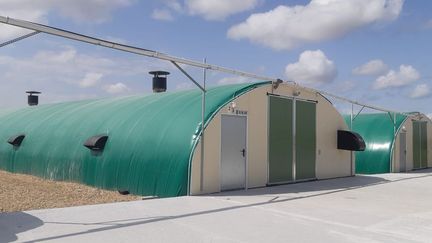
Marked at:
<point>23,192</point>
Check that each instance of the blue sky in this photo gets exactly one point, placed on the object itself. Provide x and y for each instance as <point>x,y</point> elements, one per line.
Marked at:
<point>374,51</point>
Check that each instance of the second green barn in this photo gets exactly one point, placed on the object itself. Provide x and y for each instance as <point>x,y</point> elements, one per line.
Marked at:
<point>393,143</point>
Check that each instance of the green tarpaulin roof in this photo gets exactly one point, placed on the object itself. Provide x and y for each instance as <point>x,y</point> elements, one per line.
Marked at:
<point>377,130</point>
<point>151,138</point>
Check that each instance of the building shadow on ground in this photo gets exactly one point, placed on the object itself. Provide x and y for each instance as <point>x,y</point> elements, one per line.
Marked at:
<point>322,187</point>
<point>315,186</point>
<point>11,224</point>
<point>419,171</point>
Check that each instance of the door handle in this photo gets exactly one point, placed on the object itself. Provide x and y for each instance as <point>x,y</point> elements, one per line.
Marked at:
<point>243,152</point>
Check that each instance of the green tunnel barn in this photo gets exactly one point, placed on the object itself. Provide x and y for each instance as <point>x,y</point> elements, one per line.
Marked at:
<point>255,135</point>
<point>393,145</point>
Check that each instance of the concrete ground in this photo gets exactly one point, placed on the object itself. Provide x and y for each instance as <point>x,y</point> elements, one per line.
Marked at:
<point>379,208</point>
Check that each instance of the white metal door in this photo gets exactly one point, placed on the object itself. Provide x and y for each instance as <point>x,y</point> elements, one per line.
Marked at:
<point>402,152</point>
<point>233,152</point>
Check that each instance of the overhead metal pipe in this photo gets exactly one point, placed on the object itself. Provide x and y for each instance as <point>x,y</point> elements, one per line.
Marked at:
<point>356,102</point>
<point>150,53</point>
<point>136,50</point>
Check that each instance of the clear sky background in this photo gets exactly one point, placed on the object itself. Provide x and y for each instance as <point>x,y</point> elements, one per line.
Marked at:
<point>375,51</point>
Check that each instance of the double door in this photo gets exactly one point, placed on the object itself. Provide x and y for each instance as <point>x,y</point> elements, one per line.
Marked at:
<point>292,140</point>
<point>420,154</point>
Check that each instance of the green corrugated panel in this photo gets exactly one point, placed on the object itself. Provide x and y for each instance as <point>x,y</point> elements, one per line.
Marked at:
<point>151,139</point>
<point>424,145</point>
<point>280,139</point>
<point>305,140</point>
<point>416,145</point>
<point>419,144</point>
<point>378,132</point>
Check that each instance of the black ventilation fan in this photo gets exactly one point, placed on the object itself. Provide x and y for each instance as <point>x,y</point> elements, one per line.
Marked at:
<point>33,98</point>
<point>159,81</point>
<point>96,143</point>
<point>348,140</point>
<point>16,140</point>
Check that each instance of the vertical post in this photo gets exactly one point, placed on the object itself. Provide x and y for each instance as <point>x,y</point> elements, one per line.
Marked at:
<point>394,135</point>
<point>203,103</point>
<point>352,116</point>
<point>294,127</point>
<point>203,111</point>
<point>351,128</point>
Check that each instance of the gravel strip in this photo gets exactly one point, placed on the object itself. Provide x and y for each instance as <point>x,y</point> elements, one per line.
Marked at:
<point>23,192</point>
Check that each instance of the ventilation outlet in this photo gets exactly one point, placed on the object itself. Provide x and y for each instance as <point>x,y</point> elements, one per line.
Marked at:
<point>123,192</point>
<point>96,143</point>
<point>16,140</point>
<point>33,98</point>
<point>347,140</point>
<point>159,81</point>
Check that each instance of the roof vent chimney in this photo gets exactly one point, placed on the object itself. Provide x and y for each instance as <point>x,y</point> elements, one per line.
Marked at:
<point>159,81</point>
<point>33,99</point>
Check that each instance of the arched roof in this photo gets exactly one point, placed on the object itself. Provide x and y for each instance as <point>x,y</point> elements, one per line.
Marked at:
<point>151,139</point>
<point>377,130</point>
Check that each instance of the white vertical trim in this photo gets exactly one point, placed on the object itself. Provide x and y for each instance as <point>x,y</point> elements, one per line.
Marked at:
<point>220,154</point>
<point>352,172</point>
<point>268,139</point>
<point>316,142</point>
<point>294,127</point>
<point>246,154</point>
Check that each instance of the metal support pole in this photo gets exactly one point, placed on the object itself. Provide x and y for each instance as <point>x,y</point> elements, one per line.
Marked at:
<point>351,128</point>
<point>390,117</point>
<point>294,127</point>
<point>358,112</point>
<point>394,133</point>
<point>352,116</point>
<point>202,128</point>
<point>202,88</point>
<point>189,77</point>
<point>19,38</point>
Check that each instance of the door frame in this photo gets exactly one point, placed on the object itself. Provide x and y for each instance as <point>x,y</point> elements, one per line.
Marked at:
<point>294,127</point>
<point>405,151</point>
<point>247,150</point>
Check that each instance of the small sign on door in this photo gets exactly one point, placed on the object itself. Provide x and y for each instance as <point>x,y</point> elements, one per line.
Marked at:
<point>240,112</point>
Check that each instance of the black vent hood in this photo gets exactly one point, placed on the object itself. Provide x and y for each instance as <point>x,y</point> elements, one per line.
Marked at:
<point>348,140</point>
